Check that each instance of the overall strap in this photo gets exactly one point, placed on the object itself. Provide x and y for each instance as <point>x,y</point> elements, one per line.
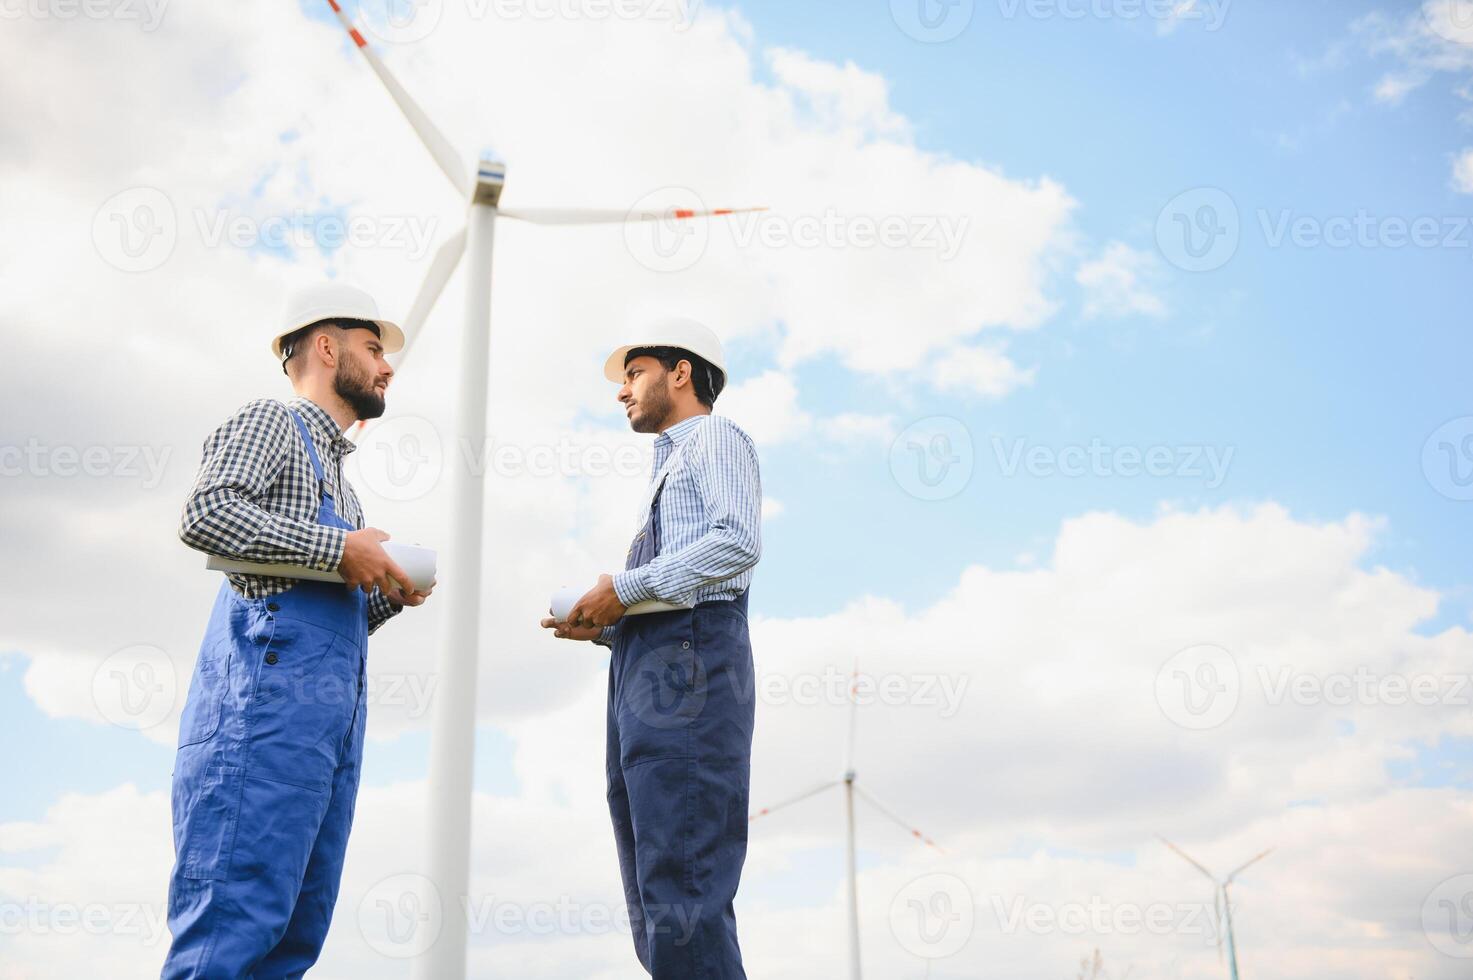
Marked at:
<point>655,516</point>
<point>311,450</point>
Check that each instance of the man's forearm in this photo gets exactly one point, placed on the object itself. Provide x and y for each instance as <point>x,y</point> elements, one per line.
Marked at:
<point>715,557</point>
<point>222,522</point>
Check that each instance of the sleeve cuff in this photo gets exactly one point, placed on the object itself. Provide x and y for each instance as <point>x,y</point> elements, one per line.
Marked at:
<point>606,638</point>
<point>326,547</point>
<point>380,610</point>
<point>632,586</point>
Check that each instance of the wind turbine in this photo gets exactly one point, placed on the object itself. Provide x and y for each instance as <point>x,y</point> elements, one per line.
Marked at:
<point>452,736</point>
<point>1221,901</point>
<point>848,781</point>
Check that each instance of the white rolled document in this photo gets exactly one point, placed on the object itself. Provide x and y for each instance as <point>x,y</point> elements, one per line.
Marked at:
<point>418,563</point>
<point>564,599</point>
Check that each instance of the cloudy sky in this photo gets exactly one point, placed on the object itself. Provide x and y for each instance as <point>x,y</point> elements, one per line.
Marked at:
<point>1107,359</point>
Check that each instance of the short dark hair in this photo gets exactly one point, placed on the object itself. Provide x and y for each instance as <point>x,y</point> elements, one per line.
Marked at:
<point>708,379</point>
<point>301,335</point>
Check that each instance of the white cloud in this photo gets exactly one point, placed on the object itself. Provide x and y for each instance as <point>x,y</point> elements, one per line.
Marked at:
<point>1434,39</point>
<point>843,96</point>
<point>1118,283</point>
<point>979,369</point>
<point>857,428</point>
<point>1180,12</point>
<point>1392,89</point>
<point>1463,172</point>
<point>766,407</point>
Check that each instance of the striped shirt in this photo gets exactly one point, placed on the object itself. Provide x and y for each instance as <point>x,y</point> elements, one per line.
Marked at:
<point>256,497</point>
<point>710,516</point>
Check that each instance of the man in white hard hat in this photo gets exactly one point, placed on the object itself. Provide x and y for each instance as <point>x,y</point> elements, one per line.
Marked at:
<point>680,705</point>
<point>271,738</point>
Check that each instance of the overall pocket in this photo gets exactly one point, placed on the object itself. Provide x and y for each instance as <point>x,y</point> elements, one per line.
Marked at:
<point>206,813</point>
<point>290,656</point>
<point>207,690</point>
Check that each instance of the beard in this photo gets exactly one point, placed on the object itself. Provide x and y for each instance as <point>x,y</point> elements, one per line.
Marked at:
<point>354,385</point>
<point>652,410</point>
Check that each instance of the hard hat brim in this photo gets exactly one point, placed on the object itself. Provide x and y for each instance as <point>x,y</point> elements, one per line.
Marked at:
<point>614,366</point>
<point>390,335</point>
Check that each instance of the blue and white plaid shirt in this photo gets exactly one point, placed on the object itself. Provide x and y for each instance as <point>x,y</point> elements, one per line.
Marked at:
<point>256,497</point>
<point>710,516</point>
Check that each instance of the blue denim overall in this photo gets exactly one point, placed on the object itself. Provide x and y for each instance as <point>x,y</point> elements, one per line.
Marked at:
<point>680,716</point>
<point>266,775</point>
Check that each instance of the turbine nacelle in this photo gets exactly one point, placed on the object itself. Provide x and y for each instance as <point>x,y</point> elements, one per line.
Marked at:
<point>490,179</point>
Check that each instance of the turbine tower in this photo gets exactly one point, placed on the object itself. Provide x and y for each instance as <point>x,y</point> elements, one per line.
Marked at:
<point>1221,902</point>
<point>452,736</point>
<point>851,788</point>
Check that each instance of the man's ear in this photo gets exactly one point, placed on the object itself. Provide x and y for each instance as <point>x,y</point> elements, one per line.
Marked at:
<point>324,342</point>
<point>682,377</point>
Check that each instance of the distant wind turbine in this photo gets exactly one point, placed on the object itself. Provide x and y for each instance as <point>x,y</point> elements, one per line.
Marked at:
<point>847,780</point>
<point>1222,902</point>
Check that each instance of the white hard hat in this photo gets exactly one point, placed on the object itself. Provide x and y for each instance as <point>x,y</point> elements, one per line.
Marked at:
<point>678,332</point>
<point>334,301</point>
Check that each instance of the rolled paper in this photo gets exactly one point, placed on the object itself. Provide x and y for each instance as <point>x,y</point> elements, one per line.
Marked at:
<point>562,603</point>
<point>565,598</point>
<point>418,563</point>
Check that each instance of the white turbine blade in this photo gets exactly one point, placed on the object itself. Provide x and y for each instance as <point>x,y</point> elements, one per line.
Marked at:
<point>442,266</point>
<point>1186,857</point>
<point>1229,879</point>
<point>450,161</point>
<point>796,799</point>
<point>853,713</point>
<point>1217,903</point>
<point>908,828</point>
<point>436,276</point>
<point>611,216</point>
